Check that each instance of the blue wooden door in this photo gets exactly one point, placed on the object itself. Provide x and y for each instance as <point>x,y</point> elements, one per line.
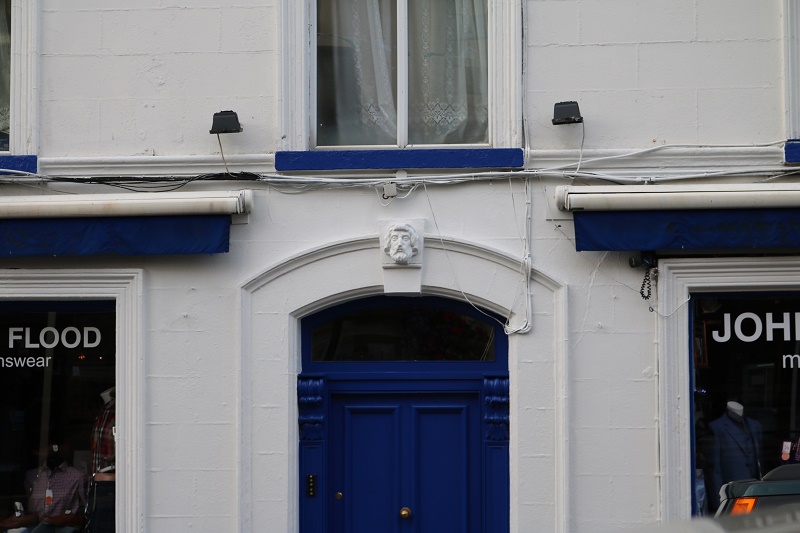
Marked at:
<point>405,462</point>
<point>403,418</point>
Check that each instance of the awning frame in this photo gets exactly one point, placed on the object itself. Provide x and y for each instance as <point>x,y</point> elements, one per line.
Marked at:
<point>125,224</point>
<point>127,204</point>
<point>732,218</point>
<point>675,197</point>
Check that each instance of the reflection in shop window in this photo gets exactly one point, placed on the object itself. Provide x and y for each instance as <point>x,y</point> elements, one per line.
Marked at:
<point>746,363</point>
<point>57,409</point>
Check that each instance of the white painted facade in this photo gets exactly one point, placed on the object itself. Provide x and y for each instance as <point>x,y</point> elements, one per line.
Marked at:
<point>210,347</point>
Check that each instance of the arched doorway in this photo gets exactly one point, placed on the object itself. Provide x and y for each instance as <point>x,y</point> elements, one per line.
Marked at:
<point>403,416</point>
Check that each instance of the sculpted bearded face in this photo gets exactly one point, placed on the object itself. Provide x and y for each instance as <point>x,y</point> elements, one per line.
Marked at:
<point>401,243</point>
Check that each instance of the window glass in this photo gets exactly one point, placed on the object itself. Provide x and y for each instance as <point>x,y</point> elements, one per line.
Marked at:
<point>5,72</point>
<point>746,361</point>
<point>448,74</point>
<point>424,81</point>
<point>57,378</point>
<point>402,330</point>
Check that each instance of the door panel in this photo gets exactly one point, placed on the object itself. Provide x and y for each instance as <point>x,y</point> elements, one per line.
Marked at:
<point>443,469</point>
<point>370,467</point>
<point>394,450</point>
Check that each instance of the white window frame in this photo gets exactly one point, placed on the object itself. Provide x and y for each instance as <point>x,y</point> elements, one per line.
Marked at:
<point>677,280</point>
<point>23,139</point>
<point>124,287</point>
<point>298,68</point>
<point>791,57</point>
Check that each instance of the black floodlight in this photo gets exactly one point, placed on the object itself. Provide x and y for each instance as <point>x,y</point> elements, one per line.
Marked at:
<point>566,113</point>
<point>225,122</point>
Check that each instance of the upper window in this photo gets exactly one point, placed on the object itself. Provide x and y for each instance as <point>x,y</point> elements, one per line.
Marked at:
<point>399,84</point>
<point>396,73</point>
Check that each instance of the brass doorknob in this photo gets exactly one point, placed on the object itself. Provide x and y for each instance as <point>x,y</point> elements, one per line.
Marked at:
<point>405,512</point>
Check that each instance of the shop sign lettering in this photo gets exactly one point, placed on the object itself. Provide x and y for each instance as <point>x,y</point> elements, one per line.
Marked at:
<point>750,327</point>
<point>70,337</point>
<point>49,337</point>
<point>25,362</point>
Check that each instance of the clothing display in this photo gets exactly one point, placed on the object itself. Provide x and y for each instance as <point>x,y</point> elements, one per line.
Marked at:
<point>102,493</point>
<point>103,457</point>
<point>101,515</point>
<point>733,453</point>
<point>61,490</point>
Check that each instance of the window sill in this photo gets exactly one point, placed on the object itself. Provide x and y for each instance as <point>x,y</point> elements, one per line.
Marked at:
<point>479,158</point>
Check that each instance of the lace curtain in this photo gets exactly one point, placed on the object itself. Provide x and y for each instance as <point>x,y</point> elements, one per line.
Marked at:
<point>357,72</point>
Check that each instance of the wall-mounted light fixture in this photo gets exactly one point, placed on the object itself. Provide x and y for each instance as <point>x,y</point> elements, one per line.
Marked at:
<point>566,113</point>
<point>225,122</point>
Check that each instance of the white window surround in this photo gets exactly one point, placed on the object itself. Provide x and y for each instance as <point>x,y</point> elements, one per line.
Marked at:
<point>124,287</point>
<point>791,57</point>
<point>24,77</point>
<point>677,280</point>
<point>298,82</point>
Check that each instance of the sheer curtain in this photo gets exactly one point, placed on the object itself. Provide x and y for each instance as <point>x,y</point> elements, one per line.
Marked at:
<point>356,72</point>
<point>448,72</point>
<point>357,80</point>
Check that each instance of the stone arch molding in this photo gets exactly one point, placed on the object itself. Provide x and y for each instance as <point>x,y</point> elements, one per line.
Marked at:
<point>349,269</point>
<point>272,304</point>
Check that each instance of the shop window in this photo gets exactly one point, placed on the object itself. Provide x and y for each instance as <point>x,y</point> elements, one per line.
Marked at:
<point>746,361</point>
<point>399,73</point>
<point>58,389</point>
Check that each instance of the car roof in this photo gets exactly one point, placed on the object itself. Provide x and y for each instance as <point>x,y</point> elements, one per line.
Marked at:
<point>783,480</point>
<point>783,472</point>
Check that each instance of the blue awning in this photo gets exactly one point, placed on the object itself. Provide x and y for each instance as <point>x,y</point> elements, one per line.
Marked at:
<point>138,235</point>
<point>739,230</point>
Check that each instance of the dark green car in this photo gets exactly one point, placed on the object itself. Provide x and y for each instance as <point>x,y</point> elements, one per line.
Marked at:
<point>777,488</point>
<point>769,505</point>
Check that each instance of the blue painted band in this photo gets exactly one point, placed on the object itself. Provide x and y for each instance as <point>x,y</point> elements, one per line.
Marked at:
<point>24,163</point>
<point>482,158</point>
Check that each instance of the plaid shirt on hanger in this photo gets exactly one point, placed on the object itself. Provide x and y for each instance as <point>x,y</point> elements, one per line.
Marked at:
<point>103,445</point>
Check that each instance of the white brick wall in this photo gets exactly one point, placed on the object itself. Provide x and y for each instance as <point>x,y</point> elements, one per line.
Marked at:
<point>676,72</point>
<point>219,412</point>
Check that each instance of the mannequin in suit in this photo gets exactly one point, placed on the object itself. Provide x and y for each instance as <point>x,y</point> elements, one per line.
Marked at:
<point>734,450</point>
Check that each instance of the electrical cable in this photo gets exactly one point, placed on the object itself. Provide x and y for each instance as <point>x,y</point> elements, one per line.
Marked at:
<point>580,153</point>
<point>524,264</point>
